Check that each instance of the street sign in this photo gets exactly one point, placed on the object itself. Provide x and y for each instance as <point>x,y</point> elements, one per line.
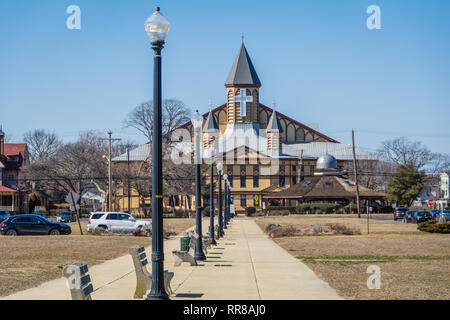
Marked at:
<point>256,199</point>
<point>430,202</point>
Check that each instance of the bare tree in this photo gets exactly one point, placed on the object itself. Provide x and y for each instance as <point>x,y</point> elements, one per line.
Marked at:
<point>42,144</point>
<point>402,151</point>
<point>174,114</point>
<point>72,166</point>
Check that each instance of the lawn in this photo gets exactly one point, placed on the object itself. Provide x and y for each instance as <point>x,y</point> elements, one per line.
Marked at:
<point>414,264</point>
<point>26,262</point>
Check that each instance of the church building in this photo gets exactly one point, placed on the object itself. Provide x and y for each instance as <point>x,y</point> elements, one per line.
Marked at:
<point>262,150</point>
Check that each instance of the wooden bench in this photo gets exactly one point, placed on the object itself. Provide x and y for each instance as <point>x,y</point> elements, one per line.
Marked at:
<point>143,277</point>
<point>78,281</point>
<point>186,256</point>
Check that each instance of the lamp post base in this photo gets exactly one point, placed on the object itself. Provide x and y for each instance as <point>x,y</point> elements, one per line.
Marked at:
<point>200,256</point>
<point>157,297</point>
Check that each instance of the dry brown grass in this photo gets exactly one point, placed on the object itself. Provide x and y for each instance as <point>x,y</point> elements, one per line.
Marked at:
<point>414,264</point>
<point>26,262</point>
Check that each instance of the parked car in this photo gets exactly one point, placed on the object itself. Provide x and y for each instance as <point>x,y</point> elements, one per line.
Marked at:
<point>399,213</point>
<point>435,213</point>
<point>66,216</point>
<point>421,216</point>
<point>445,214</point>
<point>41,214</point>
<point>115,222</point>
<point>3,215</point>
<point>408,216</point>
<point>32,224</point>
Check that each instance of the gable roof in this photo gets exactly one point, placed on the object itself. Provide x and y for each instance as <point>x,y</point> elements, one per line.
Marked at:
<point>14,149</point>
<point>243,72</point>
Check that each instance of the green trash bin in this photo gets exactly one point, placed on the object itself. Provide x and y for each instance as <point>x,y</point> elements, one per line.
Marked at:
<point>184,243</point>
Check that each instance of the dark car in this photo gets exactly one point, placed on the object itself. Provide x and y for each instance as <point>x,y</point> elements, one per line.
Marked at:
<point>399,213</point>
<point>41,214</point>
<point>66,216</point>
<point>31,224</point>
<point>409,216</point>
<point>435,213</point>
<point>3,215</point>
<point>422,216</point>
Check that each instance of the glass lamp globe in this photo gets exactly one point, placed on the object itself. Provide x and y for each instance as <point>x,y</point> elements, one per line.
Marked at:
<point>157,27</point>
<point>212,152</point>
<point>197,121</point>
<point>219,167</point>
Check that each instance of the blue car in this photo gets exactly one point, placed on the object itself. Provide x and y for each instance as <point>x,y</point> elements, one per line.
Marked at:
<point>435,213</point>
<point>3,215</point>
<point>445,214</point>
<point>421,216</point>
<point>409,216</point>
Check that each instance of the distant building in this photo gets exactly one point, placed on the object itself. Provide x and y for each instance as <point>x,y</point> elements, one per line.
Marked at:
<point>13,162</point>
<point>262,150</point>
<point>327,184</point>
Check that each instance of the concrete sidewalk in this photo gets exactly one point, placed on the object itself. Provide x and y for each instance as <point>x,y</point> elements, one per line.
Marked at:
<point>244,265</point>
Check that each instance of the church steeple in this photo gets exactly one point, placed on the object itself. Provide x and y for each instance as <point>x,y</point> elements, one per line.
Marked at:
<point>243,72</point>
<point>273,132</point>
<point>210,131</point>
<point>243,90</point>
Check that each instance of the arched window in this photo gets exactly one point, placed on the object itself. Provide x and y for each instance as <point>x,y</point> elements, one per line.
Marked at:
<point>300,135</point>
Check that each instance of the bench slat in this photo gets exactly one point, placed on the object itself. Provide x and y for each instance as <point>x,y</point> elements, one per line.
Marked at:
<point>140,249</point>
<point>144,262</point>
<point>88,290</point>
<point>83,269</point>
<point>142,256</point>
<point>85,280</point>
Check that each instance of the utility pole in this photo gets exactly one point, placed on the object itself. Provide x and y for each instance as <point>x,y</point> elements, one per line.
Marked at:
<point>128,191</point>
<point>300,173</point>
<point>355,168</point>
<point>110,168</point>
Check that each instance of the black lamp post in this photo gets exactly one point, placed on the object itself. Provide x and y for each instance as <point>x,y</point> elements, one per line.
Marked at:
<point>219,198</point>
<point>197,121</point>
<point>157,27</point>
<point>227,214</point>
<point>225,199</point>
<point>211,197</point>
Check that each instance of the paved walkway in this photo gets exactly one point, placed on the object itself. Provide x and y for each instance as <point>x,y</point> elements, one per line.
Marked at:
<point>244,265</point>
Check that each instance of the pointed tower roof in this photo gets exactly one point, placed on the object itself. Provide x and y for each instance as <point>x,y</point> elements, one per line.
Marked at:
<point>243,72</point>
<point>274,123</point>
<point>211,123</point>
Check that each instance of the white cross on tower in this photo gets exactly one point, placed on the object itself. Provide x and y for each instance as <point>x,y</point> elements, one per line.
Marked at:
<point>243,99</point>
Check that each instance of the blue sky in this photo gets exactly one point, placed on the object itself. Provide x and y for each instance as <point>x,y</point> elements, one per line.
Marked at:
<point>316,58</point>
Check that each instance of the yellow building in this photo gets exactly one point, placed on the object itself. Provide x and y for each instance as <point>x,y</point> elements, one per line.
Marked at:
<point>262,150</point>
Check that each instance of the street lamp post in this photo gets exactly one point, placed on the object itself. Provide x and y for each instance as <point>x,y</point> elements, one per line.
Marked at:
<point>225,199</point>
<point>227,213</point>
<point>211,197</point>
<point>229,202</point>
<point>157,28</point>
<point>219,198</point>
<point>197,121</point>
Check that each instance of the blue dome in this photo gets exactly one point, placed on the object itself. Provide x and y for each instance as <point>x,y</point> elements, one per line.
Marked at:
<point>327,162</point>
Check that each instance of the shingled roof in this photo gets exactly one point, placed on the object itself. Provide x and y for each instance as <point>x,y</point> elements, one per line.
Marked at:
<point>243,72</point>
<point>325,187</point>
<point>211,123</point>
